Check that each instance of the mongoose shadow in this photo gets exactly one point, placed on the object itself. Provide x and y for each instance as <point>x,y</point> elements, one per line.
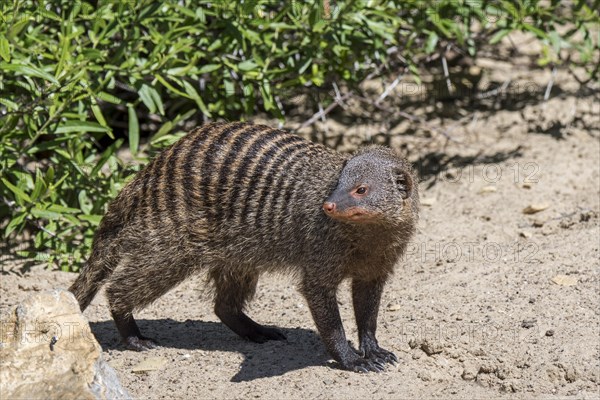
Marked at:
<point>302,349</point>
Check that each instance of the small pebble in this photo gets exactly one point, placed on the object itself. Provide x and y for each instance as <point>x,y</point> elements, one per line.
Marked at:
<point>528,323</point>
<point>535,208</point>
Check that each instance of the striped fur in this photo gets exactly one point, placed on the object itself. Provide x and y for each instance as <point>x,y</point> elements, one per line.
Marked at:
<point>233,200</point>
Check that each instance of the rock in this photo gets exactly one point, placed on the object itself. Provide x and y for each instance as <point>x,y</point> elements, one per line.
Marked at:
<point>488,368</point>
<point>511,386</point>
<point>535,208</point>
<point>566,223</point>
<point>586,215</point>
<point>503,373</point>
<point>470,371</point>
<point>427,201</point>
<point>487,189</point>
<point>150,364</point>
<point>538,222</point>
<point>413,343</point>
<point>554,373</point>
<point>425,376</point>
<point>528,323</point>
<point>525,234</point>
<point>431,348</point>
<point>570,373</point>
<point>550,332</point>
<point>564,280</point>
<point>48,351</point>
<point>394,307</point>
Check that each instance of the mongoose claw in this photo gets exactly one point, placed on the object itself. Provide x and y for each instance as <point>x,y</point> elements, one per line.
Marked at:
<point>363,365</point>
<point>361,370</point>
<point>392,359</point>
<point>381,355</point>
<point>140,344</point>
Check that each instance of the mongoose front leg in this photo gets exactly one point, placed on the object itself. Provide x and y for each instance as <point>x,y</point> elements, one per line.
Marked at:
<point>366,296</point>
<point>324,309</point>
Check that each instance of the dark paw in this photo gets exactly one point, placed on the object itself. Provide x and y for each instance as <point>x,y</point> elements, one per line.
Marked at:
<point>139,344</point>
<point>379,355</point>
<point>262,334</point>
<point>364,365</point>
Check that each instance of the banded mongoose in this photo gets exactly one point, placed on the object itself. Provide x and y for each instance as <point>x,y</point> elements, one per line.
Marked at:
<point>234,200</point>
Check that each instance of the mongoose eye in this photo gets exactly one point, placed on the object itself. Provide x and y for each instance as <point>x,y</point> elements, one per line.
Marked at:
<point>361,190</point>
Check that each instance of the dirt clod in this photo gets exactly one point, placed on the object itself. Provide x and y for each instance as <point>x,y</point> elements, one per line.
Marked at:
<point>528,323</point>
<point>564,280</point>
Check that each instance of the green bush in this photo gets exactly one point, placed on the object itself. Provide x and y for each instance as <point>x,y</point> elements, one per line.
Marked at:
<point>79,79</point>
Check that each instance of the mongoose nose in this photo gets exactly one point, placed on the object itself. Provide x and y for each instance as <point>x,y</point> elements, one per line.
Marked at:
<point>328,207</point>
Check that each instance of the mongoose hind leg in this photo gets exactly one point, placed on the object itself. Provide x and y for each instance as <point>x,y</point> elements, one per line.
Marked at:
<point>232,293</point>
<point>366,296</point>
<point>131,335</point>
<point>130,289</point>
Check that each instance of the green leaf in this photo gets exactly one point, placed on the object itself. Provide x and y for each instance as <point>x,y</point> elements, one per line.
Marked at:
<point>157,100</point>
<point>215,45</point>
<point>265,90</point>
<point>11,105</point>
<point>538,32</point>
<point>62,209</point>
<point>109,98</point>
<point>432,41</point>
<point>191,91</point>
<point>84,202</point>
<point>81,126</point>
<point>93,219</point>
<point>134,130</point>
<point>4,49</point>
<point>45,214</point>
<point>208,68</point>
<point>15,221</point>
<point>106,154</point>
<point>40,185</point>
<point>164,129</point>
<point>247,65</point>
<point>19,193</point>
<point>146,97</point>
<point>228,87</point>
<point>28,70</point>
<point>304,66</point>
<point>499,35</point>
<point>19,25</point>
<point>169,86</point>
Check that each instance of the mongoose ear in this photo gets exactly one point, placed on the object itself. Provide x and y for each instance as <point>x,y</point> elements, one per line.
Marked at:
<point>403,182</point>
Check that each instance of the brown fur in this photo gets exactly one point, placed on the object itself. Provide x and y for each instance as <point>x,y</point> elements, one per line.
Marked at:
<point>234,200</point>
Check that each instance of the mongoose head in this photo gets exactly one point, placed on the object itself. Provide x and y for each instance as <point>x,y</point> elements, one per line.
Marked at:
<point>375,186</point>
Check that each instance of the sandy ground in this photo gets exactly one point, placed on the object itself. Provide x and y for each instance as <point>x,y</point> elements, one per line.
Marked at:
<point>489,302</point>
